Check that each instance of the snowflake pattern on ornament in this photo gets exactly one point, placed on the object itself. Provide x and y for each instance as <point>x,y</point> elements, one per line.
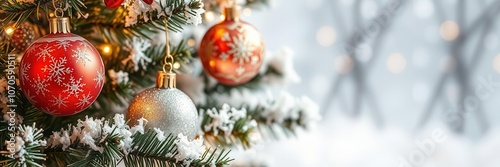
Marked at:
<point>74,87</point>
<point>84,101</point>
<point>59,101</point>
<point>31,49</point>
<point>224,56</point>
<point>44,52</point>
<point>99,79</point>
<point>51,112</point>
<point>63,44</point>
<point>30,96</point>
<point>25,67</point>
<point>41,86</point>
<point>57,69</point>
<point>81,55</point>
<point>240,70</point>
<point>241,49</point>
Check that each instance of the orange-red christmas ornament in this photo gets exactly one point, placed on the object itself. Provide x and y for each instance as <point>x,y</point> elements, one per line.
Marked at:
<point>61,73</point>
<point>232,50</point>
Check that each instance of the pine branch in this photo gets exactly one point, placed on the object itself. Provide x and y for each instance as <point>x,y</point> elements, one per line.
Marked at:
<point>111,24</point>
<point>106,147</point>
<point>227,127</point>
<point>26,149</point>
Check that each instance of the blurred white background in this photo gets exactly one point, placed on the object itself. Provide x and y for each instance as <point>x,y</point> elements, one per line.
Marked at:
<point>417,69</point>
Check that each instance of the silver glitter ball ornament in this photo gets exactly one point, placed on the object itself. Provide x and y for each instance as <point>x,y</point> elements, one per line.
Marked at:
<point>165,107</point>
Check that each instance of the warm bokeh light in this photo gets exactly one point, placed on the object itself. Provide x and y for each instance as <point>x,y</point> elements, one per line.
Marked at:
<point>343,64</point>
<point>106,49</point>
<point>396,63</point>
<point>177,65</point>
<point>496,63</point>
<point>191,42</point>
<point>209,16</point>
<point>449,30</point>
<point>9,30</point>
<point>247,11</point>
<point>326,36</point>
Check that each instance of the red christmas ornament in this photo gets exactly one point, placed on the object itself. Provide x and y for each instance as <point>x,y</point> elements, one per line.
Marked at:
<point>113,3</point>
<point>61,73</point>
<point>149,2</point>
<point>232,50</point>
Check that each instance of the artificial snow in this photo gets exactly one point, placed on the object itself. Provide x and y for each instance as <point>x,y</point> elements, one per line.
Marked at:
<point>137,47</point>
<point>188,150</point>
<point>224,119</point>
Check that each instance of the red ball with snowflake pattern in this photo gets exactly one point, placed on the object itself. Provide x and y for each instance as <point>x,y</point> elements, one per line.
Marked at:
<point>61,74</point>
<point>232,50</point>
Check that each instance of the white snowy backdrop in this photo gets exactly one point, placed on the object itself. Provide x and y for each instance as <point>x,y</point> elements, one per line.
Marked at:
<point>420,88</point>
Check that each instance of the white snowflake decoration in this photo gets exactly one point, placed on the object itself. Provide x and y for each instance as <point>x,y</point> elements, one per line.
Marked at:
<point>241,49</point>
<point>84,100</point>
<point>99,79</point>
<point>24,72</point>
<point>41,86</point>
<point>81,55</point>
<point>64,44</point>
<point>57,69</point>
<point>74,86</point>
<point>44,52</point>
<point>240,70</point>
<point>59,101</point>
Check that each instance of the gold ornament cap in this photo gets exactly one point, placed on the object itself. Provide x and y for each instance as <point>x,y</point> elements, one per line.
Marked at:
<point>165,80</point>
<point>59,25</point>
<point>231,13</point>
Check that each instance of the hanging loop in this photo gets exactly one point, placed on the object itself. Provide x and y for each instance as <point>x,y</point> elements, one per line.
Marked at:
<point>59,12</point>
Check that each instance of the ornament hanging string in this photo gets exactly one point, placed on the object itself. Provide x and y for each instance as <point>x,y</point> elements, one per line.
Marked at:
<point>169,60</point>
<point>59,8</point>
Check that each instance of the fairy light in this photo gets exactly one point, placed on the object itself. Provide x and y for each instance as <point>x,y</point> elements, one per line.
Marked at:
<point>396,63</point>
<point>177,65</point>
<point>496,63</point>
<point>326,36</point>
<point>209,16</point>
<point>106,49</point>
<point>449,30</point>
<point>191,42</point>
<point>9,30</point>
<point>343,64</point>
<point>247,11</point>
